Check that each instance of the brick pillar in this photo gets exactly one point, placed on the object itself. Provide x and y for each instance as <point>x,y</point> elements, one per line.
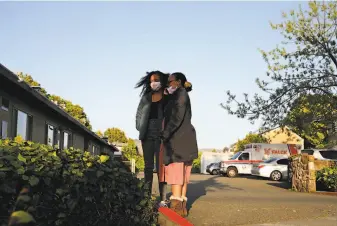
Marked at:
<point>312,174</point>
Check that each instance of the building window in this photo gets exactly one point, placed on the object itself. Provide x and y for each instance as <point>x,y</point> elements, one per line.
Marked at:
<point>66,140</point>
<point>86,144</point>
<point>4,129</point>
<point>95,150</point>
<point>24,124</point>
<point>58,137</point>
<point>50,135</point>
<point>4,104</point>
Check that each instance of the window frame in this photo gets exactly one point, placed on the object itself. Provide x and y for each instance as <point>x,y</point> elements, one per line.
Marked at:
<point>95,148</point>
<point>70,139</point>
<point>242,155</point>
<point>1,129</point>
<point>29,124</point>
<point>55,129</point>
<point>3,107</point>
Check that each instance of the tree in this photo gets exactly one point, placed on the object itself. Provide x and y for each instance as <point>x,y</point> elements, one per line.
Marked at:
<point>215,151</point>
<point>305,119</point>
<point>225,149</point>
<point>304,64</point>
<point>115,135</point>
<point>250,138</point>
<point>74,110</point>
<point>99,133</point>
<point>196,165</point>
<point>130,152</point>
<point>31,82</point>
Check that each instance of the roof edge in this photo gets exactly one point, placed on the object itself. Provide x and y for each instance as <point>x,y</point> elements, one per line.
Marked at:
<point>14,78</point>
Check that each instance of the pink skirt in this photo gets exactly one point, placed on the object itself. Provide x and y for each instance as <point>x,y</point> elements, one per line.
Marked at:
<point>175,173</point>
<point>178,173</point>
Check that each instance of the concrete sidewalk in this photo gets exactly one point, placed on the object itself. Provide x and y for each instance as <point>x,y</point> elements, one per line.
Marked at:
<point>328,221</point>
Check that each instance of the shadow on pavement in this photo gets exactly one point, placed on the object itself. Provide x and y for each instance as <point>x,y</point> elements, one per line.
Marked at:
<point>252,177</point>
<point>282,184</point>
<point>279,184</point>
<point>197,189</point>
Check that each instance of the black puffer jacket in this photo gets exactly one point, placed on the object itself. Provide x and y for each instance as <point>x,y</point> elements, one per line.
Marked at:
<point>143,114</point>
<point>179,135</point>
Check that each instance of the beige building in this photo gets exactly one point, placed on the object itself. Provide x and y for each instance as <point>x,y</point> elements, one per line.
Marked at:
<point>283,135</point>
<point>280,135</point>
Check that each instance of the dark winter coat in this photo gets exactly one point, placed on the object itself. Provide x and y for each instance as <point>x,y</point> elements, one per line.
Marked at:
<point>179,135</point>
<point>143,114</point>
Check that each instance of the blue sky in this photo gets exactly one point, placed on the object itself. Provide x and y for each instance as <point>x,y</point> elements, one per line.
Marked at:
<point>94,53</point>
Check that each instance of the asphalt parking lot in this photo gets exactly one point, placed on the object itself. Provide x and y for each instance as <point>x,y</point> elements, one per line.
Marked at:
<point>218,200</point>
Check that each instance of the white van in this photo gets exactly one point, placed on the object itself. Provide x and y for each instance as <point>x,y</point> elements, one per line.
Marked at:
<point>242,162</point>
<point>322,154</point>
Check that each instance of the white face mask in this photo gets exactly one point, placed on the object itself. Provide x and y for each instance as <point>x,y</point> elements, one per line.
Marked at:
<point>171,89</point>
<point>155,86</point>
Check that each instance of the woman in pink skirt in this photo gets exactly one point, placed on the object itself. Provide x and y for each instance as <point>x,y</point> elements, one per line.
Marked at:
<point>179,141</point>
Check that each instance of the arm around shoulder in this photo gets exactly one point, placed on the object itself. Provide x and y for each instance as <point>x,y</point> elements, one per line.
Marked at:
<point>177,116</point>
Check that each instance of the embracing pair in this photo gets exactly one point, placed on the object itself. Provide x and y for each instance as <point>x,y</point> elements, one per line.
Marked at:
<point>164,123</point>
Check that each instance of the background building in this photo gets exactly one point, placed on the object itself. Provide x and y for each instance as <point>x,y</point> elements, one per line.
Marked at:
<point>25,112</point>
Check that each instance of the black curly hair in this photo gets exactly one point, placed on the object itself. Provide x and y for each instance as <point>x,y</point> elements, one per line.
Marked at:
<point>144,82</point>
<point>180,76</point>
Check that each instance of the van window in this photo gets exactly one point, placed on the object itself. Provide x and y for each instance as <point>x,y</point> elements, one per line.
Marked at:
<point>330,154</point>
<point>235,156</point>
<point>270,160</point>
<point>244,156</point>
<point>307,151</point>
<point>283,162</point>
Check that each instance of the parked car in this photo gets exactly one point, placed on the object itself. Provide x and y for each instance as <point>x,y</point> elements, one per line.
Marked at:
<point>213,168</point>
<point>324,154</point>
<point>275,168</point>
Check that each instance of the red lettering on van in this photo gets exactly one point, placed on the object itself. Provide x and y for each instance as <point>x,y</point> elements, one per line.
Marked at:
<point>268,151</point>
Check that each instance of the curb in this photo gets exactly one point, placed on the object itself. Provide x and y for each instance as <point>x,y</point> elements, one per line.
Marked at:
<point>168,217</point>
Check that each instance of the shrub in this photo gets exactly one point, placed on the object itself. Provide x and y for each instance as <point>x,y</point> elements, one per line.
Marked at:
<point>71,187</point>
<point>328,176</point>
<point>21,217</point>
<point>196,165</point>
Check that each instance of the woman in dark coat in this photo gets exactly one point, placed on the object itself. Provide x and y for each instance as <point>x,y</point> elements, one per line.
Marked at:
<point>149,120</point>
<point>179,140</point>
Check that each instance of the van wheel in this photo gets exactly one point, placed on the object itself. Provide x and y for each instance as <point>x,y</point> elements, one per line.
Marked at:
<point>276,175</point>
<point>214,172</point>
<point>232,172</point>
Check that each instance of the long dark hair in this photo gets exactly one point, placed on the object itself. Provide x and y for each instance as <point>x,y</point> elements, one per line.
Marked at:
<point>184,83</point>
<point>144,82</point>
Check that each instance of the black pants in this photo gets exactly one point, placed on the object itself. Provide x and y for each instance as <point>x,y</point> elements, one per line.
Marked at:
<point>151,149</point>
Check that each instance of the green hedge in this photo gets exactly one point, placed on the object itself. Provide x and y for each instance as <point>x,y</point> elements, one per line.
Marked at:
<point>71,187</point>
<point>328,177</point>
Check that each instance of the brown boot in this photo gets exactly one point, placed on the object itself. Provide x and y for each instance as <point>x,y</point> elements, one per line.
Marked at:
<point>185,212</point>
<point>177,206</point>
